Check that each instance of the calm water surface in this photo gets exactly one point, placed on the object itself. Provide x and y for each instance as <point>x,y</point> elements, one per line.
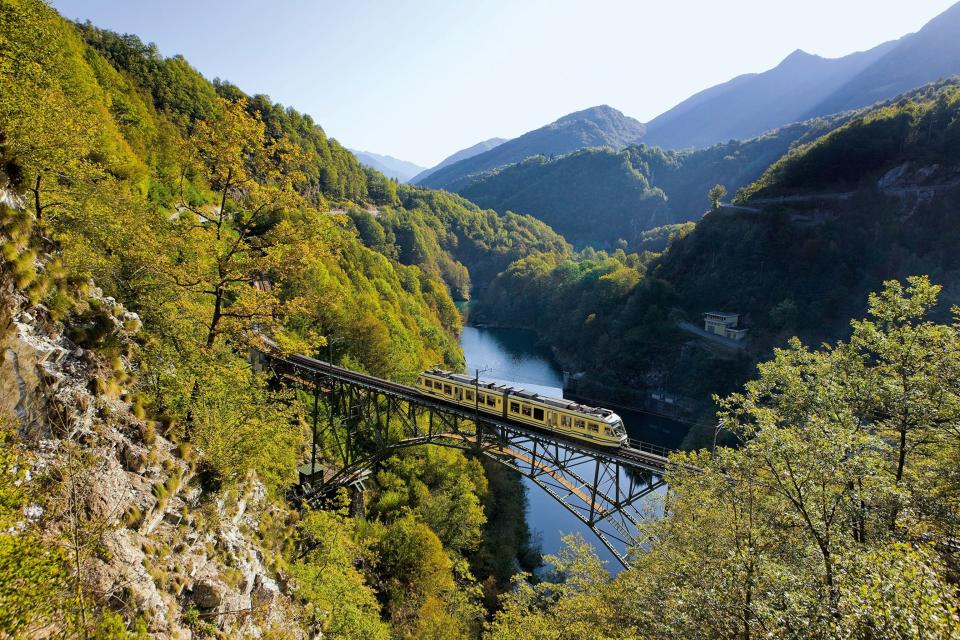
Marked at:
<point>512,356</point>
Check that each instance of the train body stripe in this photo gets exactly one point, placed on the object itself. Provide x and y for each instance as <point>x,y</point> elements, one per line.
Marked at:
<point>599,438</point>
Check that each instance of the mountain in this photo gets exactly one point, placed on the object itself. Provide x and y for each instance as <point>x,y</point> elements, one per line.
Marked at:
<point>601,126</point>
<point>875,198</point>
<point>598,196</point>
<point>805,86</point>
<point>931,54</point>
<point>463,154</point>
<point>751,104</point>
<point>388,165</point>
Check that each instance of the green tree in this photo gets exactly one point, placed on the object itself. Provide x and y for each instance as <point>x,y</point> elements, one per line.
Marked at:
<point>33,579</point>
<point>222,249</point>
<point>917,402</point>
<point>240,425</point>
<point>789,534</point>
<point>579,602</point>
<point>412,570</point>
<point>328,580</point>
<point>716,194</point>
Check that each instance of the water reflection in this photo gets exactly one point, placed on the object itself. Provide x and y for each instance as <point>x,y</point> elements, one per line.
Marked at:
<point>512,356</point>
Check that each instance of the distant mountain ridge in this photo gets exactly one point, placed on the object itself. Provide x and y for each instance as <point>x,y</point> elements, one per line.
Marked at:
<point>601,126</point>
<point>753,103</point>
<point>931,54</point>
<point>598,196</point>
<point>389,166</point>
<point>463,154</point>
<point>806,86</point>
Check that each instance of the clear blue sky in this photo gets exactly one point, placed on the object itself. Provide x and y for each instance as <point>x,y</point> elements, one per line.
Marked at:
<point>421,79</point>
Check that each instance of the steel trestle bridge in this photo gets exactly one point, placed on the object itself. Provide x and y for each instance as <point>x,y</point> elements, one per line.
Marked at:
<point>603,487</point>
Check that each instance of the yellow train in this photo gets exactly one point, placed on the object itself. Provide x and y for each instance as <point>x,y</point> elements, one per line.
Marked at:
<point>594,425</point>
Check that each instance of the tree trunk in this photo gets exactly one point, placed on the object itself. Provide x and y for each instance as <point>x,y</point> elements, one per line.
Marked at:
<point>36,198</point>
<point>215,320</point>
<point>902,454</point>
<point>832,593</point>
<point>223,202</point>
<point>211,337</point>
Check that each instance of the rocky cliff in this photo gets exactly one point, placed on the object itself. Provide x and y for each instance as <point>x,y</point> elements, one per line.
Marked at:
<point>142,533</point>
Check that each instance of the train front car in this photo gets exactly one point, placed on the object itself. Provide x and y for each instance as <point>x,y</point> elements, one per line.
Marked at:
<point>597,426</point>
<point>617,429</point>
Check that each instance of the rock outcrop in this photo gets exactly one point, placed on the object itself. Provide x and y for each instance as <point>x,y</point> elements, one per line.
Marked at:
<point>155,543</point>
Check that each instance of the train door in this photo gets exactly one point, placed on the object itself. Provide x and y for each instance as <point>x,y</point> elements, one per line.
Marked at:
<point>458,394</point>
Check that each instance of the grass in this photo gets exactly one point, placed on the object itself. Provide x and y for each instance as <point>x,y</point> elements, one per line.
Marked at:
<point>133,517</point>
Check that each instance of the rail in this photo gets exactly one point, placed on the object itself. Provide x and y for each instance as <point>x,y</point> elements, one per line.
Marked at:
<point>603,487</point>
<point>637,451</point>
<point>646,447</point>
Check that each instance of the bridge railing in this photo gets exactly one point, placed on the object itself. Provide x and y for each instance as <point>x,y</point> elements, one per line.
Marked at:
<point>646,447</point>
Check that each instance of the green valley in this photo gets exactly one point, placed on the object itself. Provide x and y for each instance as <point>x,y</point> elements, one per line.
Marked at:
<point>221,330</point>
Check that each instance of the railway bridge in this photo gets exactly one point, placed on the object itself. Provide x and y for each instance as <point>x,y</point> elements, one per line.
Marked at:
<point>365,419</point>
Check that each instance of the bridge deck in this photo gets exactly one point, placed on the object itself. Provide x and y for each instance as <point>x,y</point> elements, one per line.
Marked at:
<point>638,454</point>
<point>603,487</point>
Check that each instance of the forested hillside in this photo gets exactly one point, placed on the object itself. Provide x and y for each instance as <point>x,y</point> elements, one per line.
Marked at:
<point>594,127</point>
<point>598,197</point>
<point>153,224</point>
<point>452,238</point>
<point>871,200</point>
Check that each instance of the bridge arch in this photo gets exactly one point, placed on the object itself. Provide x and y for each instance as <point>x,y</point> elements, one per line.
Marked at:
<point>603,488</point>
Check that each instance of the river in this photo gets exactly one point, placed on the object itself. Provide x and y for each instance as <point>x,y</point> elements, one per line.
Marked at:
<point>513,356</point>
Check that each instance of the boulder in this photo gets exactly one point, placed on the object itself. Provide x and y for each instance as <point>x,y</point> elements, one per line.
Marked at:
<point>265,589</point>
<point>108,491</point>
<point>100,577</point>
<point>134,458</point>
<point>208,594</point>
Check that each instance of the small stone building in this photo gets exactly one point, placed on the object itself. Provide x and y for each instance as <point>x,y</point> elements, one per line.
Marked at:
<point>724,324</point>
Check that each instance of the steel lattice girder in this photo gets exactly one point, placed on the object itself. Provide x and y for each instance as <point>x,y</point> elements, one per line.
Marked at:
<point>600,488</point>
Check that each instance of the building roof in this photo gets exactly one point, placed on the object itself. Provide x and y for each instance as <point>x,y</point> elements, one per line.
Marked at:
<point>724,314</point>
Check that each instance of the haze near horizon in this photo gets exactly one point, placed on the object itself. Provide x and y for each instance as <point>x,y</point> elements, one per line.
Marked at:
<point>419,81</point>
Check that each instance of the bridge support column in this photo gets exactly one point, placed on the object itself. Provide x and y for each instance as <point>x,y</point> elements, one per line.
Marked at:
<point>316,414</point>
<point>358,508</point>
<point>603,488</point>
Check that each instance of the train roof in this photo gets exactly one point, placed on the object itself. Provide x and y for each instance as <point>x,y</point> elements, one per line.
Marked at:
<point>559,403</point>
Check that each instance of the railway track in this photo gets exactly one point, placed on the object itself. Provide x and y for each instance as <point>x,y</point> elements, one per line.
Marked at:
<point>637,452</point>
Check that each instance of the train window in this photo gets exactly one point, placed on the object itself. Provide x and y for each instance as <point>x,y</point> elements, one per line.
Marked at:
<point>565,421</point>
<point>594,427</point>
<point>515,407</point>
<point>447,389</point>
<point>579,424</point>
<point>491,401</point>
<point>538,414</point>
<point>526,410</point>
<point>469,395</point>
<point>427,383</point>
